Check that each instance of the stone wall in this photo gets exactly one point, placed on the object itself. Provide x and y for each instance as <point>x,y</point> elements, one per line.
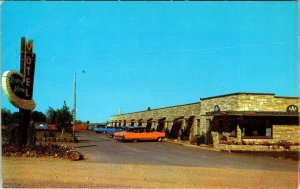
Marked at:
<point>248,102</point>
<point>263,102</point>
<point>289,133</point>
<point>169,113</point>
<point>244,102</point>
<point>225,103</point>
<point>226,147</point>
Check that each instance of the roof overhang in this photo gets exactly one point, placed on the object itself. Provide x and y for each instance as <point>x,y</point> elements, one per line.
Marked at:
<point>252,113</point>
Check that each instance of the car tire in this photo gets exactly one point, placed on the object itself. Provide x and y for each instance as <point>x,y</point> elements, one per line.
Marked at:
<point>159,139</point>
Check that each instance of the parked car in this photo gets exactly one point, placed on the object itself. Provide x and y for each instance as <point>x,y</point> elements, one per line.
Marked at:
<point>91,127</point>
<point>41,127</point>
<point>139,133</point>
<point>115,130</point>
<point>102,129</point>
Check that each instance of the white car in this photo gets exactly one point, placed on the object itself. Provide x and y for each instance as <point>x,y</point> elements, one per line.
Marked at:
<point>41,127</point>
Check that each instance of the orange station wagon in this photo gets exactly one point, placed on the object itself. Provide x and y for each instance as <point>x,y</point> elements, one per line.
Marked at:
<point>139,133</point>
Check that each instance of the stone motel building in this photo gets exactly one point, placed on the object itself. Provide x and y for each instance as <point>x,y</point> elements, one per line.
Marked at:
<point>240,118</point>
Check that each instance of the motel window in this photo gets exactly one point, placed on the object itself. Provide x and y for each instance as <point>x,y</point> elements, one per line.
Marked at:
<point>257,129</point>
<point>233,128</point>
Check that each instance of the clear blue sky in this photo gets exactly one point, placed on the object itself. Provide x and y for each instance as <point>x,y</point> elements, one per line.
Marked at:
<point>151,54</point>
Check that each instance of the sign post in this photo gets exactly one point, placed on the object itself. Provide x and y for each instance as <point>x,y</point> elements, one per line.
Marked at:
<point>18,88</point>
<point>27,67</point>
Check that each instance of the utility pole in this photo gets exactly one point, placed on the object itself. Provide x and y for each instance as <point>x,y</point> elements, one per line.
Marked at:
<point>74,111</point>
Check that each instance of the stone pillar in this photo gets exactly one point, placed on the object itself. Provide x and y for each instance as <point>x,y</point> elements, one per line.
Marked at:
<point>168,125</point>
<point>216,137</point>
<point>144,124</point>
<point>183,124</point>
<point>239,133</point>
<point>154,125</point>
<point>193,128</point>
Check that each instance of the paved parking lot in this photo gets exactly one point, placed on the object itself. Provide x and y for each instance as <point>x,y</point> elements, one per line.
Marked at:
<point>114,164</point>
<point>103,149</point>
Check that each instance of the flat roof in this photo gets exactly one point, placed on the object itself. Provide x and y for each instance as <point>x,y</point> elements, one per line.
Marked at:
<point>239,93</point>
<point>252,113</point>
<point>157,109</point>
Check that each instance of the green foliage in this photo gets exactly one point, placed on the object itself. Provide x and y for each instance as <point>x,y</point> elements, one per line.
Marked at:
<point>79,121</point>
<point>6,116</point>
<point>204,138</point>
<point>37,116</point>
<point>63,117</point>
<point>51,116</point>
<point>11,121</point>
<point>208,138</point>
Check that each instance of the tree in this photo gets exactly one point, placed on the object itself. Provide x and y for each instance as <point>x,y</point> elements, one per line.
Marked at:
<point>37,116</point>
<point>11,121</point>
<point>63,117</point>
<point>79,121</point>
<point>51,116</point>
<point>6,116</point>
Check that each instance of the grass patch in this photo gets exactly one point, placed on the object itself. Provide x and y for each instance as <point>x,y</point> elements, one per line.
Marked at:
<point>56,134</point>
<point>40,134</point>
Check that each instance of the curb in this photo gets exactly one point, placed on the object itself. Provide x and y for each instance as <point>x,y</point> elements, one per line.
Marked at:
<point>193,146</point>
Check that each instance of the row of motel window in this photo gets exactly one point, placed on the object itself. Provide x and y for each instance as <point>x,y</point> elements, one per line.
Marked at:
<point>250,127</point>
<point>257,127</point>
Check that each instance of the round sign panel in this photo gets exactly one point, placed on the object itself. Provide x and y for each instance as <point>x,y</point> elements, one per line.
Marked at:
<point>292,109</point>
<point>13,86</point>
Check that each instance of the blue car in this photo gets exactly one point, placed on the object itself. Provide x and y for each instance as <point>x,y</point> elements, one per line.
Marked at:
<point>91,127</point>
<point>102,129</point>
<point>116,129</point>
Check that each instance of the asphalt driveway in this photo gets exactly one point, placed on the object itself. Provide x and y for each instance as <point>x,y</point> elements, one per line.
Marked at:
<point>103,149</point>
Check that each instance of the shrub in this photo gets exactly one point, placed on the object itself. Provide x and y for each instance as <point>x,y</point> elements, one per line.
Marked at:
<point>284,144</point>
<point>204,138</point>
<point>10,134</point>
<point>51,134</point>
<point>223,138</point>
<point>42,150</point>
<point>208,138</point>
<point>265,143</point>
<point>201,139</point>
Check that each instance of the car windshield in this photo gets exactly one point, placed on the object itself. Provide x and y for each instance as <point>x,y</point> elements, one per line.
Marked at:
<point>137,129</point>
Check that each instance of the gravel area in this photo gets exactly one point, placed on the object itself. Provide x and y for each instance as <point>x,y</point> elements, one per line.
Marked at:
<point>25,172</point>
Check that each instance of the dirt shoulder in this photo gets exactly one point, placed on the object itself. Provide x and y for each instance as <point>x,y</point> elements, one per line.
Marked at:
<point>59,173</point>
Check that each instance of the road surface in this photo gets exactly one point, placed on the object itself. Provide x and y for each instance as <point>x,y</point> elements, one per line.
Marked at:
<point>113,164</point>
<point>103,149</point>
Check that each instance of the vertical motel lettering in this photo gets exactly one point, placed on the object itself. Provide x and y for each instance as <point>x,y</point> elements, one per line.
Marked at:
<point>28,60</point>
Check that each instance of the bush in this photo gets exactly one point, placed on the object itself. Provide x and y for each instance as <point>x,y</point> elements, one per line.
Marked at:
<point>42,150</point>
<point>284,144</point>
<point>223,138</point>
<point>208,138</point>
<point>51,134</point>
<point>201,139</point>
<point>10,135</point>
<point>204,138</point>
